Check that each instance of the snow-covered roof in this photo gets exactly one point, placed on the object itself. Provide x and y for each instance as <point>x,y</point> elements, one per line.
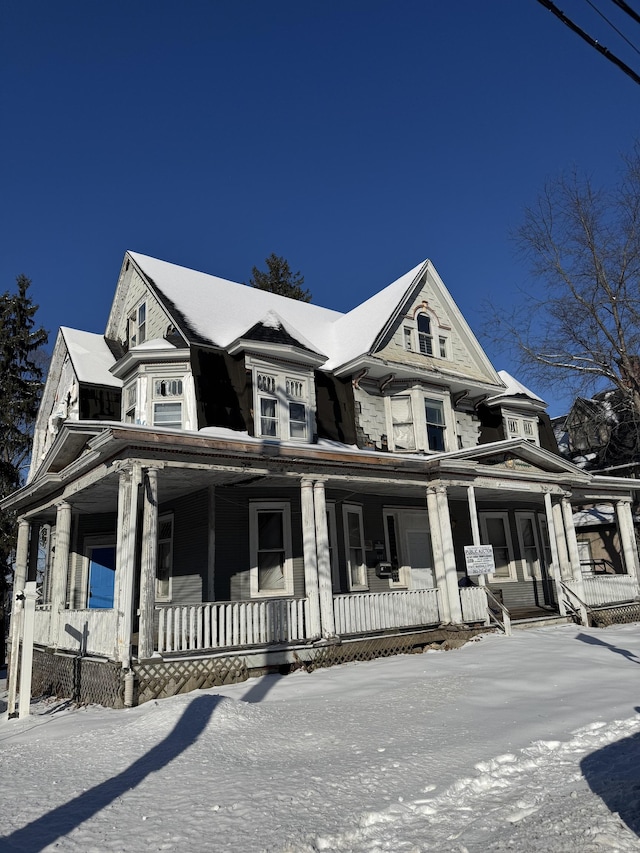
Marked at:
<point>221,311</point>
<point>514,389</point>
<point>90,356</point>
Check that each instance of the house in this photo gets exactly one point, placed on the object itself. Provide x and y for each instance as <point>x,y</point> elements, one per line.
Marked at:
<point>228,480</point>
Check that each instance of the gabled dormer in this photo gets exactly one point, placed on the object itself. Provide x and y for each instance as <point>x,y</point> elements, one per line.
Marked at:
<point>281,364</point>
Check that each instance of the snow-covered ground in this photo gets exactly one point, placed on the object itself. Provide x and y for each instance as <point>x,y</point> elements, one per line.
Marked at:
<point>527,743</point>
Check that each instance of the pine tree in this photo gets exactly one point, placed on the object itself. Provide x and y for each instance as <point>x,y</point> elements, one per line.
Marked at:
<point>20,390</point>
<point>279,279</point>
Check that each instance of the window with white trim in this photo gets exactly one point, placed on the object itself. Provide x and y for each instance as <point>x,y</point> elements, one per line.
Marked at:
<point>418,335</point>
<point>130,399</point>
<point>164,564</point>
<point>354,547</point>
<point>518,426</point>
<point>495,531</point>
<point>137,325</point>
<point>271,571</point>
<point>282,405</point>
<point>167,402</point>
<point>419,420</point>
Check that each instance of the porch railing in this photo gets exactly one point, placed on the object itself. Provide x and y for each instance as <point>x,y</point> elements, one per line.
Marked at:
<point>474,603</point>
<point>42,625</point>
<point>608,589</point>
<point>224,624</point>
<point>364,612</point>
<point>88,631</point>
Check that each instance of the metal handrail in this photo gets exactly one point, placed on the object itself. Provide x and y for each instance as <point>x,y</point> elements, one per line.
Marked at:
<point>505,625</point>
<point>582,610</point>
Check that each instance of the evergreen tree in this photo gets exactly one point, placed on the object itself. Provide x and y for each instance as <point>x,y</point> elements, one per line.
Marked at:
<point>279,279</point>
<point>20,389</point>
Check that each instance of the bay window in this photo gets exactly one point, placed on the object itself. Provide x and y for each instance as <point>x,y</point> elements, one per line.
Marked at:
<point>418,421</point>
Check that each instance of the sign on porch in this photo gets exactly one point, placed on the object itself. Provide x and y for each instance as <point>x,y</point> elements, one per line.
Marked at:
<point>479,559</point>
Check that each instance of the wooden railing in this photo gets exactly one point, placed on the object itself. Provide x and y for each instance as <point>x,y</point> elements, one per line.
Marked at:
<point>42,625</point>
<point>497,613</point>
<point>474,604</point>
<point>88,631</point>
<point>608,589</point>
<point>225,624</point>
<point>364,612</point>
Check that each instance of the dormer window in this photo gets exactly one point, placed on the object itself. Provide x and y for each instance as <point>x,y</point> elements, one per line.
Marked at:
<point>282,404</point>
<point>518,426</point>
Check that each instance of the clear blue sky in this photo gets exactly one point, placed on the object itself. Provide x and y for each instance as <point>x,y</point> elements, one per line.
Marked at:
<point>354,137</point>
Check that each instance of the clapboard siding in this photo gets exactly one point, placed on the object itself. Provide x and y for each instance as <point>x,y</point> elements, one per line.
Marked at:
<point>190,547</point>
<point>232,540</point>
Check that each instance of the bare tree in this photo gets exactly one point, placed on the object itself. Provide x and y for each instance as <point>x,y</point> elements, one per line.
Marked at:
<point>580,323</point>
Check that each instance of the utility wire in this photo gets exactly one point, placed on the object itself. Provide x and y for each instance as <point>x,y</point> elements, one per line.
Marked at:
<point>591,41</point>
<point>613,26</point>
<point>627,8</point>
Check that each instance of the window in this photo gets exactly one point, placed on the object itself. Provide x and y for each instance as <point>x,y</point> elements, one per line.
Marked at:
<point>408,338</point>
<point>494,527</point>
<point>354,547</point>
<point>402,420</point>
<point>399,575</point>
<point>130,400</point>
<point>529,546</point>
<point>521,427</point>
<point>164,565</point>
<point>167,407</point>
<point>442,346</point>
<point>271,570</point>
<point>425,340</point>
<point>282,403</point>
<point>137,325</point>
<point>435,424</point>
<point>409,431</point>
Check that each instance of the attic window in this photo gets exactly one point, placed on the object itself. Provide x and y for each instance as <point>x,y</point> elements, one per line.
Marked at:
<point>425,339</point>
<point>282,405</point>
<point>137,325</point>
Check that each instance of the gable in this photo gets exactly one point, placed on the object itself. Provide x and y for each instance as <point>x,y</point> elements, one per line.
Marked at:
<point>133,290</point>
<point>454,348</point>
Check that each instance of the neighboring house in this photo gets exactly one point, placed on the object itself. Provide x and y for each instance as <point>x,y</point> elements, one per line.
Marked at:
<point>230,480</point>
<point>599,436</point>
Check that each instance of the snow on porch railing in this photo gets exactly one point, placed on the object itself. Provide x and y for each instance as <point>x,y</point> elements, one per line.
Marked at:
<point>224,624</point>
<point>608,589</point>
<point>474,603</point>
<point>362,612</point>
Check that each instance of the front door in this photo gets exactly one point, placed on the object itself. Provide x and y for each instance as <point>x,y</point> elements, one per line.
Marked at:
<point>102,572</point>
<point>533,540</point>
<point>418,546</point>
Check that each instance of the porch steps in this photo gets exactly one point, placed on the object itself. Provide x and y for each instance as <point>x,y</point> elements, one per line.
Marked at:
<point>539,622</point>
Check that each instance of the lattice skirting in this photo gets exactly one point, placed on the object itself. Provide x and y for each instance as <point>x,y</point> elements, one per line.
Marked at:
<point>382,647</point>
<point>83,680</point>
<point>616,615</point>
<point>159,679</point>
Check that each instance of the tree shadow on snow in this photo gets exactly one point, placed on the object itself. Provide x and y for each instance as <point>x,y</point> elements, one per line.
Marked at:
<point>594,641</point>
<point>613,773</point>
<point>62,820</point>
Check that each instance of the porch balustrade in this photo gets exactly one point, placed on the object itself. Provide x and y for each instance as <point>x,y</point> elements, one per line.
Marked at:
<point>474,603</point>
<point>226,624</point>
<point>88,631</point>
<point>365,612</point>
<point>42,625</point>
<point>607,589</point>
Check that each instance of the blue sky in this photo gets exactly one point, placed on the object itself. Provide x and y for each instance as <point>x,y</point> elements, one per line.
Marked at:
<point>355,138</point>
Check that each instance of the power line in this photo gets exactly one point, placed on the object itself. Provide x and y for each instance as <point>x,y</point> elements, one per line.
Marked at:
<point>613,26</point>
<point>626,8</point>
<point>591,41</point>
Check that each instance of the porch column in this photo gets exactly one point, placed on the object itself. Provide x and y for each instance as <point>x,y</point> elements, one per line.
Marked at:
<point>475,526</point>
<point>19,580</point>
<point>125,559</point>
<point>437,548</point>
<point>555,557</point>
<point>60,569</point>
<point>566,571</point>
<point>451,574</point>
<point>627,537</point>
<point>572,541</point>
<point>325,582</point>
<point>148,563</point>
<point>310,557</point>
<point>34,544</point>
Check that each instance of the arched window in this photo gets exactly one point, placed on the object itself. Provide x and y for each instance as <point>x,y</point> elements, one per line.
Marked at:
<point>425,339</point>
